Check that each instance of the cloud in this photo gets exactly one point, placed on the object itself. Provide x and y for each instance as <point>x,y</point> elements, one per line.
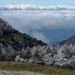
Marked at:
<point>33,21</point>
<point>34,7</point>
<point>40,36</point>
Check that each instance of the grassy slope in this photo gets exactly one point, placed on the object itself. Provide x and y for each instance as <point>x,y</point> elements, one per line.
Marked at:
<point>51,70</point>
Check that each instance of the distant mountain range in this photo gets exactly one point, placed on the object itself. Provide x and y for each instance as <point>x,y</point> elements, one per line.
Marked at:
<point>34,7</point>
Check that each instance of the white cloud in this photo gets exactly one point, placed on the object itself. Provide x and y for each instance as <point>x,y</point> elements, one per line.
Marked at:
<point>31,20</point>
<point>34,7</point>
<point>40,36</point>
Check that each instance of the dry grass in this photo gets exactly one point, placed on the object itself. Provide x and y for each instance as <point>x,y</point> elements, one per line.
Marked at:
<point>50,70</point>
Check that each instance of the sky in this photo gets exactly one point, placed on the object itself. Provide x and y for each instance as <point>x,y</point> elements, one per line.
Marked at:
<point>39,2</point>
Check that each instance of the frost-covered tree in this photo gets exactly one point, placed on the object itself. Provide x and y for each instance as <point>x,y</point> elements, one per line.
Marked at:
<point>51,55</point>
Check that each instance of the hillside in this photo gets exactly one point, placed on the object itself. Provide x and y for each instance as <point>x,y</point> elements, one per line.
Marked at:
<point>13,38</point>
<point>19,47</point>
<point>12,41</point>
<point>69,41</point>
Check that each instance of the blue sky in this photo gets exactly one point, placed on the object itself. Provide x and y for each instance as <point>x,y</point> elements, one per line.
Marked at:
<point>39,2</point>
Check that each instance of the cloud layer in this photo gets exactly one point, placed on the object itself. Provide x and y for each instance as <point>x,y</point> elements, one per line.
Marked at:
<point>39,23</point>
<point>40,36</point>
<point>34,7</point>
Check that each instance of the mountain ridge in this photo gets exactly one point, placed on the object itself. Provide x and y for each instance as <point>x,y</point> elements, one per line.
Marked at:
<point>68,41</point>
<point>17,40</point>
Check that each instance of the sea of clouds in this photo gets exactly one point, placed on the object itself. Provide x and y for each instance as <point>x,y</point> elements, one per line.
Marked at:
<point>35,7</point>
<point>38,23</point>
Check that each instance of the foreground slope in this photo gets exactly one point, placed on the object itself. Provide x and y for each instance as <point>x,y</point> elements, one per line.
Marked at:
<point>11,68</point>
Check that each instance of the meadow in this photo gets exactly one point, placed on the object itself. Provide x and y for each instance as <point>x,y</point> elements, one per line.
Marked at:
<point>48,70</point>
